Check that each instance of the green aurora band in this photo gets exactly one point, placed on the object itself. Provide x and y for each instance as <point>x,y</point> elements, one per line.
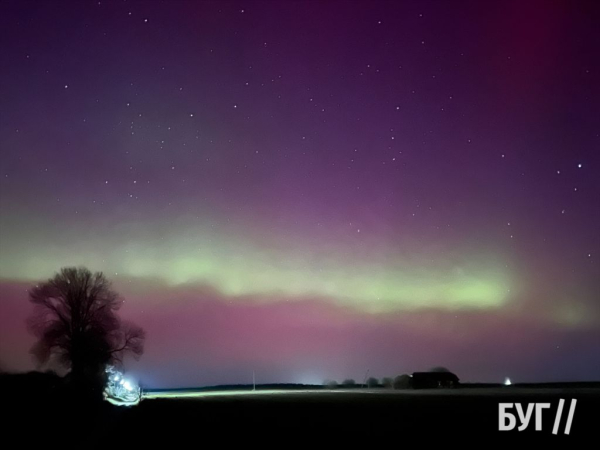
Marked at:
<point>378,283</point>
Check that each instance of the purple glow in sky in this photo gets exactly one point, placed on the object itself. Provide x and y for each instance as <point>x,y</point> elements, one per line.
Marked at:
<point>309,190</point>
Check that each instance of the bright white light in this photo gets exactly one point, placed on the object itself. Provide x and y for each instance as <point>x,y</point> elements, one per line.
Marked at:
<point>507,382</point>
<point>119,390</point>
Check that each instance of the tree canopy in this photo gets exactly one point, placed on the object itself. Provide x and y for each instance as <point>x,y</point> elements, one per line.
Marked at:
<point>76,323</point>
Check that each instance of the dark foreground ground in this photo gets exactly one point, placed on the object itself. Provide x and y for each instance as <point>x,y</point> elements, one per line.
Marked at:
<point>373,417</point>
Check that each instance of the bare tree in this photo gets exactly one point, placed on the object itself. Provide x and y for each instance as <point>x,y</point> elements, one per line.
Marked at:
<point>76,324</point>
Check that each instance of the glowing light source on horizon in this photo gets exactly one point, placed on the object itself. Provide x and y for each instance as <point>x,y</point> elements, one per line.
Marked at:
<point>119,390</point>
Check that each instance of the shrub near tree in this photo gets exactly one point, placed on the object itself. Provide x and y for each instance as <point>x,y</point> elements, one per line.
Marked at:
<point>402,382</point>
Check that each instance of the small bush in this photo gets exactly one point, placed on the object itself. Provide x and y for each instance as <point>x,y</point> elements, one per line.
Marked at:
<point>330,384</point>
<point>372,382</point>
<point>402,382</point>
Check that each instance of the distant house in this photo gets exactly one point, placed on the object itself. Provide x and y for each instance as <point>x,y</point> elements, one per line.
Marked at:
<point>434,380</point>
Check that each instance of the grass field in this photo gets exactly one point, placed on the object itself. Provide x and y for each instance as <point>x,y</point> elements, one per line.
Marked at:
<point>340,417</point>
<point>374,414</point>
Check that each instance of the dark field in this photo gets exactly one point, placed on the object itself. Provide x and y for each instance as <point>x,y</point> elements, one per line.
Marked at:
<point>337,417</point>
<point>377,414</point>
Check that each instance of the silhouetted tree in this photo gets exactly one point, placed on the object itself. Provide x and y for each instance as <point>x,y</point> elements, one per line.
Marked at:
<point>76,324</point>
<point>349,382</point>
<point>372,382</point>
<point>387,382</point>
<point>402,382</point>
<point>438,369</point>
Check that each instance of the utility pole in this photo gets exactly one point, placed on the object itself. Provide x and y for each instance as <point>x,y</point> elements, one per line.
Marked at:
<point>365,380</point>
<point>253,381</point>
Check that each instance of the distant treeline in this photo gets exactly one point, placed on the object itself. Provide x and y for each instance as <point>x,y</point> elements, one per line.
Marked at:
<point>33,384</point>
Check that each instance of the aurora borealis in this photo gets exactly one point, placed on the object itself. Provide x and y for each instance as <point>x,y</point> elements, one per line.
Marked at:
<point>309,190</point>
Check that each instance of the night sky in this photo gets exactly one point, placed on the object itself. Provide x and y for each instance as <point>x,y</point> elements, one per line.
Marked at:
<point>312,189</point>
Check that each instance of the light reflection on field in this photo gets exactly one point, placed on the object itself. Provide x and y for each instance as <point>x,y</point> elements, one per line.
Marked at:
<point>503,391</point>
<point>202,394</point>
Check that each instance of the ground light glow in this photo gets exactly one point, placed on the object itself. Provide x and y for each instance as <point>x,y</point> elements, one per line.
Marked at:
<point>119,390</point>
<point>194,394</point>
<point>191,394</point>
<point>201,394</point>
